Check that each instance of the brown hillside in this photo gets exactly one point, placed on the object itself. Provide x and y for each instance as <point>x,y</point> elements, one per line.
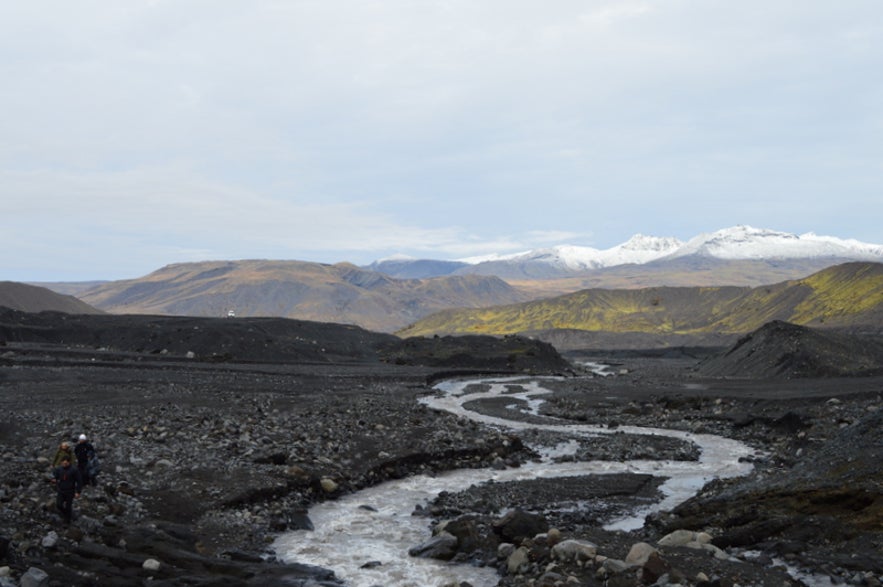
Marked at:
<point>31,298</point>
<point>341,293</point>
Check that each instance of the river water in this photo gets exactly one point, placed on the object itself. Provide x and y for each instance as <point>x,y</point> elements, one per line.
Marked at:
<point>374,527</point>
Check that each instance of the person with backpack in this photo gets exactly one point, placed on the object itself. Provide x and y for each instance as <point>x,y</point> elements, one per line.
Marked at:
<point>64,450</point>
<point>86,460</point>
<point>68,484</point>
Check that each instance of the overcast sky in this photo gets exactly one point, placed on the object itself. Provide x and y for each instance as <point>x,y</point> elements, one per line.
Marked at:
<point>140,133</point>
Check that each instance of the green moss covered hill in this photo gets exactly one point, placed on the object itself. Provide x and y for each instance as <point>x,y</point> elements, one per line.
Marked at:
<point>848,295</point>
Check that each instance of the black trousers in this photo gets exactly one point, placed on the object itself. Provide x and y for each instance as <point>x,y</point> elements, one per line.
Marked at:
<point>84,475</point>
<point>65,504</point>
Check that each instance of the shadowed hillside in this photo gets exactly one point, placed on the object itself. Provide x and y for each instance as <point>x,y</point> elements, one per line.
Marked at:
<point>217,339</point>
<point>139,338</point>
<point>339,293</point>
<point>784,350</point>
<point>508,353</point>
<point>31,298</point>
<point>844,296</point>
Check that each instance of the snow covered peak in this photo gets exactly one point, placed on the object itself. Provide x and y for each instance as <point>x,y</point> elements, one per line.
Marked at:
<point>644,243</point>
<point>638,249</point>
<point>734,243</point>
<point>572,257</point>
<point>492,257</point>
<point>746,242</point>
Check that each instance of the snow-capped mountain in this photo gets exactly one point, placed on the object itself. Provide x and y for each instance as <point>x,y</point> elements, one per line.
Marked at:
<point>745,242</point>
<point>638,249</point>
<point>738,242</point>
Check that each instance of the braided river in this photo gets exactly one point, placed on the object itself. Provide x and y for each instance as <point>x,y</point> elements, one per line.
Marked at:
<point>365,537</point>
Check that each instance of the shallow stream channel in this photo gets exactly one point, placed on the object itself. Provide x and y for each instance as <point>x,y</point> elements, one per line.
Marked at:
<point>365,537</point>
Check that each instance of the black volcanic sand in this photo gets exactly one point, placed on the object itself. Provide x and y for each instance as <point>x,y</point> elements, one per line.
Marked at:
<point>205,461</point>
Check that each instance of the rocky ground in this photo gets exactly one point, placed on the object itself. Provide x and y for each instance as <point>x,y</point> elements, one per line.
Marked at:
<point>205,461</point>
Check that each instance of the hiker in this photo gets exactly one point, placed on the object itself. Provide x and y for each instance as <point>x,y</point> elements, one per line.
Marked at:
<point>68,484</point>
<point>64,450</point>
<point>86,459</point>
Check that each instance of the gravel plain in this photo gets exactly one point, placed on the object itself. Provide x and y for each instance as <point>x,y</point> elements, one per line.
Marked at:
<point>206,461</point>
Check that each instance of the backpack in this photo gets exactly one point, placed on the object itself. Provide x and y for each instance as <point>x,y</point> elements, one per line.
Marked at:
<point>93,465</point>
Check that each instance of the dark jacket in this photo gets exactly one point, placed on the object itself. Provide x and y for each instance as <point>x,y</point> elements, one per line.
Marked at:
<point>84,452</point>
<point>67,479</point>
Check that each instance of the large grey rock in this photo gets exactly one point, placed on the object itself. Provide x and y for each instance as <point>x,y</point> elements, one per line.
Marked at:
<point>442,547</point>
<point>34,577</point>
<point>518,560</point>
<point>578,550</point>
<point>639,553</point>
<point>517,525</point>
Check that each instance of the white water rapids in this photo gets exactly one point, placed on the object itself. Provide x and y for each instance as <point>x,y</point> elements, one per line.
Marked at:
<point>376,525</point>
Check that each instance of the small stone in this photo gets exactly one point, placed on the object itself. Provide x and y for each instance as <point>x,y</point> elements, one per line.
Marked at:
<point>50,540</point>
<point>553,536</point>
<point>505,550</point>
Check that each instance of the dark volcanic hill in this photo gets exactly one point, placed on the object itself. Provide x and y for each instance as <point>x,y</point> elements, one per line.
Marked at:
<point>31,298</point>
<point>139,337</point>
<point>264,340</point>
<point>340,293</point>
<point>783,350</point>
<point>488,353</point>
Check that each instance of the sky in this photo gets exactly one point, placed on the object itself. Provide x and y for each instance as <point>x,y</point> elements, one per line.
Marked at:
<point>142,133</point>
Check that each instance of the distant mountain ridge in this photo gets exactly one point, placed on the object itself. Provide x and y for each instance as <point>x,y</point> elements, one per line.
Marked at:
<point>340,293</point>
<point>737,243</point>
<point>392,294</point>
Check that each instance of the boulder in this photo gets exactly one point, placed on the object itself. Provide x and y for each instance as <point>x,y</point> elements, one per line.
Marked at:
<point>34,577</point>
<point>639,553</point>
<point>465,531</point>
<point>517,525</point>
<point>518,559</point>
<point>575,550</point>
<point>653,568</point>
<point>442,546</point>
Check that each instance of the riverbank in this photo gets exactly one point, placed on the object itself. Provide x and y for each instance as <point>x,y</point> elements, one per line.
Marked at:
<point>205,464</point>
